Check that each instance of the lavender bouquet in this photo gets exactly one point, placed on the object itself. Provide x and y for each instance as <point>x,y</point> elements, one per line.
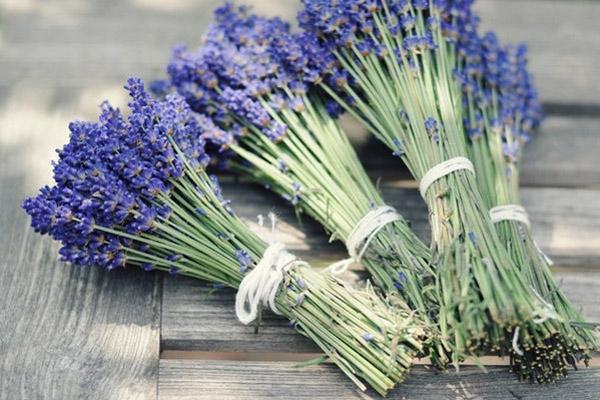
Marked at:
<point>501,111</point>
<point>247,82</point>
<point>134,192</point>
<point>393,65</point>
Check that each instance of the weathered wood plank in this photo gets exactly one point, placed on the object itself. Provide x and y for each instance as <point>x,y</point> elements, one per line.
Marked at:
<point>65,332</point>
<point>197,379</point>
<point>566,222</point>
<point>195,319</point>
<point>562,154</point>
<point>89,42</point>
<point>560,35</point>
<point>96,43</point>
<point>68,332</point>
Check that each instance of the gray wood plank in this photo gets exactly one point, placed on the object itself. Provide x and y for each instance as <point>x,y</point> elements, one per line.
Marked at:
<point>68,332</point>
<point>562,154</point>
<point>196,319</point>
<point>198,379</point>
<point>65,332</point>
<point>193,318</point>
<point>566,223</point>
<point>67,44</point>
<point>90,41</point>
<point>560,35</point>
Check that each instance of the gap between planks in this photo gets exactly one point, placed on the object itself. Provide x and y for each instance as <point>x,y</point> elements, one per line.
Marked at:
<point>281,356</point>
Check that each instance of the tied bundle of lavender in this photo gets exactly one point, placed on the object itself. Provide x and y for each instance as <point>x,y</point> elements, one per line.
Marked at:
<point>501,111</point>
<point>247,81</point>
<point>134,192</point>
<point>392,64</point>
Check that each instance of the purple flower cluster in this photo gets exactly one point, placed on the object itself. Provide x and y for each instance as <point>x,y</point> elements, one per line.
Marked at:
<point>398,32</point>
<point>358,28</point>
<point>224,78</point>
<point>492,73</point>
<point>361,25</point>
<point>247,68</point>
<point>113,174</point>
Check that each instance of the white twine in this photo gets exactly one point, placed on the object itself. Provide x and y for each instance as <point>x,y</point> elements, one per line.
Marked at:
<point>443,169</point>
<point>515,212</point>
<point>365,231</point>
<point>510,212</point>
<point>261,284</point>
<point>544,255</point>
<point>515,342</point>
<point>547,312</point>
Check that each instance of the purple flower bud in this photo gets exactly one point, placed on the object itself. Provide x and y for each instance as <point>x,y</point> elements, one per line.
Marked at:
<point>472,237</point>
<point>244,260</point>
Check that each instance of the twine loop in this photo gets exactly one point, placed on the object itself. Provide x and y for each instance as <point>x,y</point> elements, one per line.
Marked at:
<point>515,212</point>
<point>361,236</point>
<point>261,284</point>
<point>442,169</point>
<point>510,212</point>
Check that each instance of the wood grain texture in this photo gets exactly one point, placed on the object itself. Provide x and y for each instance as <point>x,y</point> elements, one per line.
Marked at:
<point>560,36</point>
<point>566,222</point>
<point>195,319</point>
<point>196,379</point>
<point>82,41</point>
<point>74,44</point>
<point>65,332</point>
<point>192,319</point>
<point>562,154</point>
<point>68,332</point>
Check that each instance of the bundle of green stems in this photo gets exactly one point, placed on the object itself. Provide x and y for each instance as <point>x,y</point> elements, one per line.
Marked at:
<point>312,164</point>
<point>134,192</point>
<point>324,178</point>
<point>502,109</point>
<point>393,66</point>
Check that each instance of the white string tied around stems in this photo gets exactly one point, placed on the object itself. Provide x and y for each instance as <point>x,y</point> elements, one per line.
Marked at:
<point>361,236</point>
<point>442,169</point>
<point>515,212</point>
<point>261,284</point>
<point>547,312</point>
<point>510,212</point>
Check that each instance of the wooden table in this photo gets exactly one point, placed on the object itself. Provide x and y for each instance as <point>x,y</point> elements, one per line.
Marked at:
<point>69,333</point>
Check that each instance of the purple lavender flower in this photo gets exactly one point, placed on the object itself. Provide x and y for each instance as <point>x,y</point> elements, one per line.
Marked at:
<point>248,68</point>
<point>491,72</point>
<point>111,176</point>
<point>368,336</point>
<point>399,147</point>
<point>244,259</point>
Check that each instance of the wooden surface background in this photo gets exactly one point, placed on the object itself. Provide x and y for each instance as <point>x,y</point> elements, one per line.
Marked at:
<point>72,333</point>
